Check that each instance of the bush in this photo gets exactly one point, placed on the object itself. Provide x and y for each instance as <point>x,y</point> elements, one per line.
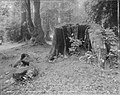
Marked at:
<point>105,45</point>
<point>14,32</point>
<point>75,45</point>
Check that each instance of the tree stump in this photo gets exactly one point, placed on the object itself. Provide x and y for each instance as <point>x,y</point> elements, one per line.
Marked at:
<point>25,70</point>
<point>62,43</point>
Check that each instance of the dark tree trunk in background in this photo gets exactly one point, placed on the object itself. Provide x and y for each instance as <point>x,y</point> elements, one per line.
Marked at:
<point>47,35</point>
<point>24,30</point>
<point>23,17</point>
<point>24,12</point>
<point>39,37</point>
<point>29,20</point>
<point>23,20</point>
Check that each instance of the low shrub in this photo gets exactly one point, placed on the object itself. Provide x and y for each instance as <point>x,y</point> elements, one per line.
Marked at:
<point>17,32</point>
<point>14,32</point>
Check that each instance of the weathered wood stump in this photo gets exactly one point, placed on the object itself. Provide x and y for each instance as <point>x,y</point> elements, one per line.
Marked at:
<point>62,42</point>
<point>25,70</point>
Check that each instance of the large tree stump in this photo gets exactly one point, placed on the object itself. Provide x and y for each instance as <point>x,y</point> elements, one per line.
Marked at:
<point>61,39</point>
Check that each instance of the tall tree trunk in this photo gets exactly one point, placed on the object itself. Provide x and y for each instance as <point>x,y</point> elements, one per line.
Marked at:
<point>47,35</point>
<point>29,20</point>
<point>23,12</point>
<point>23,20</point>
<point>23,17</point>
<point>39,37</point>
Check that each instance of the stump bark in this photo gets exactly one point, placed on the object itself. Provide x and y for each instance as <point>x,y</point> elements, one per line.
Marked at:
<point>62,43</point>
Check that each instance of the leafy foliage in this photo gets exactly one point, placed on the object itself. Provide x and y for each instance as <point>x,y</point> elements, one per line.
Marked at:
<point>103,12</point>
<point>14,32</point>
<point>105,46</point>
<point>75,43</point>
<point>9,13</point>
<point>110,37</point>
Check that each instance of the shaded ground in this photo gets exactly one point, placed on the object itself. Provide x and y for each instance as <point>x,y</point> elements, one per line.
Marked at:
<point>6,46</point>
<point>69,76</point>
